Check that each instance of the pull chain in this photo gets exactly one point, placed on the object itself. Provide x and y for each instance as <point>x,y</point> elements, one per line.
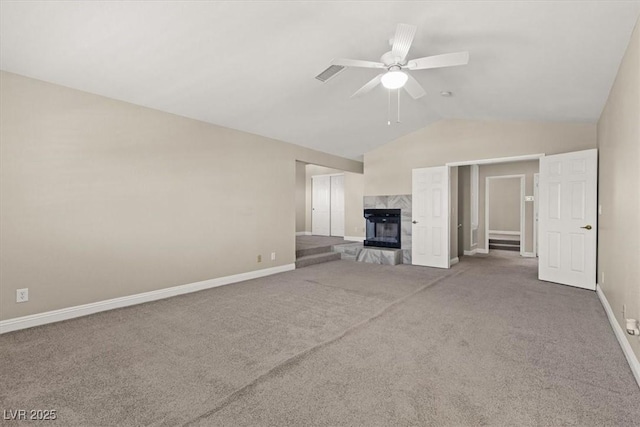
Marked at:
<point>389,107</point>
<point>398,106</point>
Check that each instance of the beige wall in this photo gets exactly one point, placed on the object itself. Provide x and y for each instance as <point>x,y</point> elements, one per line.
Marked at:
<point>354,224</point>
<point>102,199</point>
<point>301,196</point>
<point>464,209</point>
<point>504,204</point>
<point>618,193</point>
<point>527,169</point>
<point>388,168</point>
<point>453,213</point>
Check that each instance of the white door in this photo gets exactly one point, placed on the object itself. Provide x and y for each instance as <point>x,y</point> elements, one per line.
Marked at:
<point>337,205</point>
<point>430,231</point>
<point>320,205</point>
<point>568,218</point>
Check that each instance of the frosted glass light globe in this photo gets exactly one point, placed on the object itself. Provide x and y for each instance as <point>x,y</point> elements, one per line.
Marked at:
<point>394,79</point>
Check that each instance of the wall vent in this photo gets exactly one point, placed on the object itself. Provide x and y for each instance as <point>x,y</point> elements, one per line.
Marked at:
<point>329,72</point>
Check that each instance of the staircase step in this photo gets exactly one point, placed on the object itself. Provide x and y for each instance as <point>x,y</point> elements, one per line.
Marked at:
<point>308,260</point>
<point>505,247</point>
<point>504,241</point>
<point>312,251</point>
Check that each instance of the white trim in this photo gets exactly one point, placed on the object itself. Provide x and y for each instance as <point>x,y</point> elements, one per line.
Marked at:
<point>497,160</point>
<point>634,363</point>
<point>482,251</point>
<point>328,174</point>
<point>303,233</point>
<point>471,252</point>
<point>453,261</point>
<point>110,304</point>
<point>354,238</point>
<point>528,254</point>
<point>507,233</point>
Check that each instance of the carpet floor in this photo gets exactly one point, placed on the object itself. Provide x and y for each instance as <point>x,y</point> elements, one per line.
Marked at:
<point>340,343</point>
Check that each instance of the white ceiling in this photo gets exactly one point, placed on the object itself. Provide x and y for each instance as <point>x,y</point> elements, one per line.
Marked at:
<point>251,65</point>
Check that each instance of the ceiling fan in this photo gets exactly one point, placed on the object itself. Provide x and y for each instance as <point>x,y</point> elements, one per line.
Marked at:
<point>396,64</point>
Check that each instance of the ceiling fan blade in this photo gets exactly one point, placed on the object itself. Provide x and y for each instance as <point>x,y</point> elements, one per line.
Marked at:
<point>402,40</point>
<point>368,86</point>
<point>357,63</point>
<point>438,61</point>
<point>414,88</point>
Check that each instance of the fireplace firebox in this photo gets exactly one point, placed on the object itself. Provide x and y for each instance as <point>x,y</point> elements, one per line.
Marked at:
<point>383,228</point>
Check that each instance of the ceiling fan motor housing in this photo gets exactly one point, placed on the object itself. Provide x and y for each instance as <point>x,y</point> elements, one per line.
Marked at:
<point>390,59</point>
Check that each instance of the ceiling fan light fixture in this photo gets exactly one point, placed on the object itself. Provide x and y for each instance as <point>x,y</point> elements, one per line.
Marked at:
<point>394,79</point>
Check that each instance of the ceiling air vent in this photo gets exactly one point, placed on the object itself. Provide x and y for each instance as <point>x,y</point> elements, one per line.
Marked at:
<point>329,73</point>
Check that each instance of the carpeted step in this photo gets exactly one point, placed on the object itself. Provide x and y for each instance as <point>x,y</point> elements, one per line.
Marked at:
<point>505,247</point>
<point>312,251</point>
<point>505,244</point>
<point>504,241</point>
<point>308,260</point>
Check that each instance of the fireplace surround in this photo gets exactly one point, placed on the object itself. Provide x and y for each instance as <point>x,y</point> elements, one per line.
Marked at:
<point>383,228</point>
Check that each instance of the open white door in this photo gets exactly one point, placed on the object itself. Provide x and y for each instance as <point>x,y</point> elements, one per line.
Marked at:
<point>430,231</point>
<point>568,218</point>
<point>320,205</point>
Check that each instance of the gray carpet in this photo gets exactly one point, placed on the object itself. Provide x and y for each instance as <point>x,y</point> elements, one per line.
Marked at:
<point>341,343</point>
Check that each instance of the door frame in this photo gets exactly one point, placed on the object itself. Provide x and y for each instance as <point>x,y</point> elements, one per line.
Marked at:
<point>495,160</point>
<point>487,187</point>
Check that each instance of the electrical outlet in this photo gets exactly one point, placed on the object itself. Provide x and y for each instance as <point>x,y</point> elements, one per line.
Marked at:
<point>259,258</point>
<point>22,295</point>
<point>273,256</point>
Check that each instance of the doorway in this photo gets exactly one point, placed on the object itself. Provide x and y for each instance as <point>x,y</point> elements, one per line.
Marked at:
<point>504,213</point>
<point>565,227</point>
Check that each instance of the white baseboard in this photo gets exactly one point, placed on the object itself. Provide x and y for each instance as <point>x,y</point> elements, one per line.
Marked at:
<point>482,251</point>
<point>471,252</point>
<point>621,335</point>
<point>303,233</point>
<point>96,307</point>
<point>354,238</point>
<point>528,255</point>
<point>453,261</point>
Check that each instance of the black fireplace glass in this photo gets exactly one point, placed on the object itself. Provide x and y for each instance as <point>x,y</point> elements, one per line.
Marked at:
<point>383,228</point>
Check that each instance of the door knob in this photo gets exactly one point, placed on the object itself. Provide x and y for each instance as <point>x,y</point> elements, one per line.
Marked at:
<point>587,227</point>
<point>415,222</point>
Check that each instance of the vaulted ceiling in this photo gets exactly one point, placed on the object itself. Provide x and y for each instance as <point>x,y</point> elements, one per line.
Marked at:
<point>251,65</point>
